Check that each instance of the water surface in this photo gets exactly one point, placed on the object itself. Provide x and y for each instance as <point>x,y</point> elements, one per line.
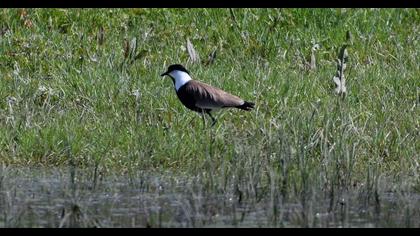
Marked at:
<point>38,197</point>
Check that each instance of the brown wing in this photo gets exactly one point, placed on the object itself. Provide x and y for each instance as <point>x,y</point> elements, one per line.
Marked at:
<point>208,97</point>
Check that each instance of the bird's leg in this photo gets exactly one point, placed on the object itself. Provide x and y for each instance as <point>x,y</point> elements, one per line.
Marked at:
<point>212,118</point>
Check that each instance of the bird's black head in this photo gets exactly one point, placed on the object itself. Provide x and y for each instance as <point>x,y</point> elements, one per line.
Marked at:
<point>175,67</point>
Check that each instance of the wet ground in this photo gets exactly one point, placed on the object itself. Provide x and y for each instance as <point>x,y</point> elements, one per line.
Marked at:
<point>34,197</point>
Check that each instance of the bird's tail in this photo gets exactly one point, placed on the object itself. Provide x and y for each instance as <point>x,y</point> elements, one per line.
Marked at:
<point>247,106</point>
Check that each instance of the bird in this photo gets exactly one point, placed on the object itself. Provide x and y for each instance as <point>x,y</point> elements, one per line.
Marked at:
<point>201,97</point>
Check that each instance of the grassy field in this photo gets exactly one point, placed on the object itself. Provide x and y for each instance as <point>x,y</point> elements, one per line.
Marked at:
<point>73,92</point>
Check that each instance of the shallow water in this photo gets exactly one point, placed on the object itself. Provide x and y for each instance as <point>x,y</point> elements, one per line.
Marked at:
<point>34,197</point>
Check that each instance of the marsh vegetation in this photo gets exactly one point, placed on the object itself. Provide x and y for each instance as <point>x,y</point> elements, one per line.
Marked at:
<point>92,136</point>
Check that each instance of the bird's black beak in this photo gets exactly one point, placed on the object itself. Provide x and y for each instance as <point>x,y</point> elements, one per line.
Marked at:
<point>166,73</point>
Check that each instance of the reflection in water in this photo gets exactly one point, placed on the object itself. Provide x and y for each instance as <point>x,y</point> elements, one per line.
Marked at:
<point>57,198</point>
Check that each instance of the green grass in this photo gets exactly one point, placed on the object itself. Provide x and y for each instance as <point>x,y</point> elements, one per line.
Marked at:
<point>299,139</point>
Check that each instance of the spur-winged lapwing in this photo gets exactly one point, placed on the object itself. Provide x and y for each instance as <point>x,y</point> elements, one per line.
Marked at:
<point>201,97</point>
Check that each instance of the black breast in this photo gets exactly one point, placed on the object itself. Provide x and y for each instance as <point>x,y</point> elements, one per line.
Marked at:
<point>187,99</point>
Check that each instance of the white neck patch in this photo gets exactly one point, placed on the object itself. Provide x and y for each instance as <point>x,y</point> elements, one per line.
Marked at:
<point>180,77</point>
